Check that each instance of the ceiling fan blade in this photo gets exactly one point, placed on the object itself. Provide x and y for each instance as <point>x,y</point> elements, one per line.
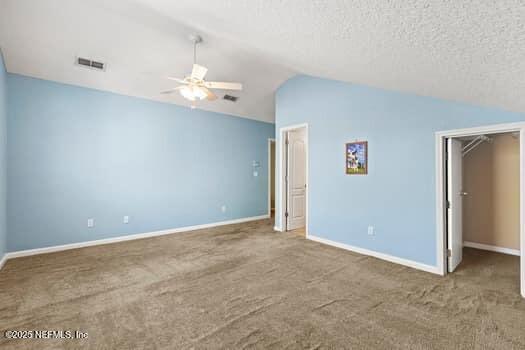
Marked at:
<point>171,90</point>
<point>210,96</point>
<point>198,72</point>
<point>178,80</point>
<point>223,85</point>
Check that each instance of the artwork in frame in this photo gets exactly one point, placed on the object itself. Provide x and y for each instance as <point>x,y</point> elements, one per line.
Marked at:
<point>356,158</point>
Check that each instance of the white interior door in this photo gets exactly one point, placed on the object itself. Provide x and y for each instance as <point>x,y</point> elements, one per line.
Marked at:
<point>296,196</point>
<point>455,203</point>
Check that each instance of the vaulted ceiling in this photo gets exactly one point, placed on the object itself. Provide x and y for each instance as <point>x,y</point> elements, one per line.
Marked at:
<point>471,51</point>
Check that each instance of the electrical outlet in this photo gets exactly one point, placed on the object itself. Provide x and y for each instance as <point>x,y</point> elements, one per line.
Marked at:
<point>90,223</point>
<point>371,230</point>
<point>126,219</point>
<point>223,209</point>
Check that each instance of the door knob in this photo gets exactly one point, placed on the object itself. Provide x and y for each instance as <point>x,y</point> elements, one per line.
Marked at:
<point>463,193</point>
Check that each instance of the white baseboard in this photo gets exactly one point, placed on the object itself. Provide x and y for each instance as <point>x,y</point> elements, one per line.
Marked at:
<point>57,248</point>
<point>492,248</point>
<point>3,260</point>
<point>390,258</point>
<point>276,228</point>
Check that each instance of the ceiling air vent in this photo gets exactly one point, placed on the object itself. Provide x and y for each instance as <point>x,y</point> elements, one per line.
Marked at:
<point>230,98</point>
<point>90,63</point>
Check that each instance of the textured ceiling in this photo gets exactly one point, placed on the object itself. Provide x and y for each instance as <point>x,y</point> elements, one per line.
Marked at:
<point>471,51</point>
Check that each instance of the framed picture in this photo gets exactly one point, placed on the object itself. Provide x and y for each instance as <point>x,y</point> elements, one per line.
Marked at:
<point>356,158</point>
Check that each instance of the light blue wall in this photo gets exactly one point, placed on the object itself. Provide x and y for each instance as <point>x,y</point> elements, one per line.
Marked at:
<point>3,159</point>
<point>76,153</point>
<point>397,197</point>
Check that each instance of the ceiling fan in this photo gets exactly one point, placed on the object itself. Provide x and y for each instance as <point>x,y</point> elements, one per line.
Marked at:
<point>194,86</point>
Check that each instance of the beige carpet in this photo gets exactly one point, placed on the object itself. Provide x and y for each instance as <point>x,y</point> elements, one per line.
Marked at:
<point>244,286</point>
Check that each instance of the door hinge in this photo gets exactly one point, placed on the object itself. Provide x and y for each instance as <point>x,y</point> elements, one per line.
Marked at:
<point>286,142</point>
<point>448,204</point>
<point>286,214</point>
<point>449,253</point>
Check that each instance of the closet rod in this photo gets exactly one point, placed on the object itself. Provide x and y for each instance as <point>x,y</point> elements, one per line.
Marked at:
<point>475,143</point>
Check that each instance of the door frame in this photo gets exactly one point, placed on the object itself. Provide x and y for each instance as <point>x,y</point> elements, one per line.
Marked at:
<point>440,138</point>
<point>270,175</point>
<point>282,173</point>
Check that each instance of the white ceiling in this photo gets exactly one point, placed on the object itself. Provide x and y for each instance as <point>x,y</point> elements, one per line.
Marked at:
<point>465,50</point>
<point>140,46</point>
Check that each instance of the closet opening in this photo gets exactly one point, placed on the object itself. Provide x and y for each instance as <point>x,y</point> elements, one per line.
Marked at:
<point>481,203</point>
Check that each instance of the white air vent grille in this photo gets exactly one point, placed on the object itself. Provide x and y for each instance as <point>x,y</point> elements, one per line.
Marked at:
<point>84,62</point>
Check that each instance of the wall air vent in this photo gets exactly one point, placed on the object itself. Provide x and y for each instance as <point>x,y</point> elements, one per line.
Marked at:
<point>230,98</point>
<point>90,63</point>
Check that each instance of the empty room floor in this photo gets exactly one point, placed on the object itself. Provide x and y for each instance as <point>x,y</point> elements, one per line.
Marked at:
<point>246,286</point>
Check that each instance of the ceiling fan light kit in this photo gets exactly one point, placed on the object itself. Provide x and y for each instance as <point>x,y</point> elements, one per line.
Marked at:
<point>194,87</point>
<point>192,93</point>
